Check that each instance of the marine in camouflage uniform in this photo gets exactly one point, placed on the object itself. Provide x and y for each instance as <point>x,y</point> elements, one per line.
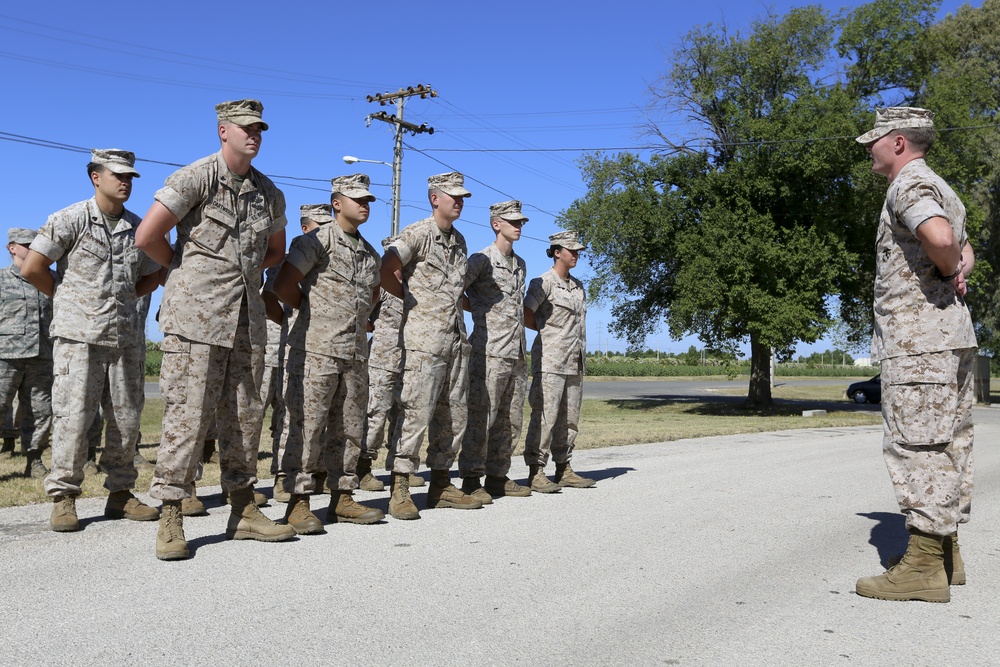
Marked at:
<point>556,305</point>
<point>312,216</point>
<point>99,275</point>
<point>230,225</point>
<point>25,354</point>
<point>497,371</point>
<point>385,376</point>
<point>432,257</point>
<point>331,276</point>
<point>925,341</point>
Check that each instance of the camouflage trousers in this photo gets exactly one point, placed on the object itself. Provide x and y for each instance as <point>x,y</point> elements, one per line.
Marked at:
<point>927,437</point>
<point>383,408</point>
<point>199,383</point>
<point>30,381</point>
<point>325,401</point>
<point>555,417</point>
<point>271,397</point>
<point>86,377</point>
<point>496,411</point>
<point>433,398</point>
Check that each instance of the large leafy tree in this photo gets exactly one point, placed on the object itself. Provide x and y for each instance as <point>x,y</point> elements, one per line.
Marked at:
<point>745,232</point>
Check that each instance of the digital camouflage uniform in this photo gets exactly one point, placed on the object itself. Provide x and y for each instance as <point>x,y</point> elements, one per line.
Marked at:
<point>25,356</point>
<point>213,321</point>
<point>96,355</point>
<point>558,363</point>
<point>326,373</point>
<point>497,371</point>
<point>926,343</point>
<point>271,385</point>
<point>385,374</point>
<point>436,364</point>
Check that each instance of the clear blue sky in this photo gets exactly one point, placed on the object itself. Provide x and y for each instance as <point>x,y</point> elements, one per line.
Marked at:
<point>515,76</point>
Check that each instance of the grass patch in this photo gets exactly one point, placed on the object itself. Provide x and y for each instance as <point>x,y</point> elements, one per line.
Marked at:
<point>602,424</point>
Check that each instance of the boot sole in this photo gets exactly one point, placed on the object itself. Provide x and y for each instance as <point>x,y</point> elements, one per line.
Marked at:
<point>443,504</point>
<point>309,530</point>
<point>404,516</point>
<point>173,555</point>
<point>372,487</point>
<point>249,535</point>
<point>65,528</point>
<point>131,517</point>
<point>363,520</point>
<point>558,488</point>
<point>932,595</point>
<point>201,512</point>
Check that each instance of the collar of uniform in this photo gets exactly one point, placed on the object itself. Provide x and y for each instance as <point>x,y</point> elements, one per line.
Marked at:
<point>342,237</point>
<point>439,235</point>
<point>499,259</point>
<point>228,178</point>
<point>569,283</point>
<point>95,216</point>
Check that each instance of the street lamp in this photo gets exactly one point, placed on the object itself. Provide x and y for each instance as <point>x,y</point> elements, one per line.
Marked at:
<point>394,228</point>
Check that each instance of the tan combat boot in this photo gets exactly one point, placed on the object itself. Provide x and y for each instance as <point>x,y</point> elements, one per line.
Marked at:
<point>954,567</point>
<point>170,542</point>
<point>278,493</point>
<point>415,480</point>
<point>539,482</point>
<point>400,504</point>
<point>259,499</point>
<point>471,486</point>
<point>919,576</point>
<point>566,477</point>
<point>344,509</point>
<point>368,481</point>
<point>63,519</point>
<point>300,517</point>
<point>124,505</point>
<point>442,493</point>
<point>246,522</point>
<point>192,505</point>
<point>498,487</point>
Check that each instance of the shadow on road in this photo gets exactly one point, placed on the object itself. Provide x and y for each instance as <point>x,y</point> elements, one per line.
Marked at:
<point>888,535</point>
<point>717,405</point>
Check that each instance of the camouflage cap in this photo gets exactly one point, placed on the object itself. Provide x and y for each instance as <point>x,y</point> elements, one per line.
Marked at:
<point>452,183</point>
<point>568,239</point>
<point>241,112</point>
<point>318,213</point>
<point>21,236</point>
<point>115,160</point>
<point>508,210</point>
<point>388,241</point>
<point>354,186</point>
<point>896,118</point>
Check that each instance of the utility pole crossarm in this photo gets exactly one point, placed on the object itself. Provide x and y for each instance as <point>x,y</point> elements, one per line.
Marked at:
<point>399,98</point>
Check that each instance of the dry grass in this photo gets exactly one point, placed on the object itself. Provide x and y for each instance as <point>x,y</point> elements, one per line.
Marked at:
<point>603,424</point>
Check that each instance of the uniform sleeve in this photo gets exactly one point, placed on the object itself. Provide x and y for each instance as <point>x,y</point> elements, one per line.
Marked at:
<point>917,202</point>
<point>407,246</point>
<point>536,295</point>
<point>475,268</point>
<point>304,253</point>
<point>56,236</point>
<point>278,219</point>
<point>147,265</point>
<point>184,189</point>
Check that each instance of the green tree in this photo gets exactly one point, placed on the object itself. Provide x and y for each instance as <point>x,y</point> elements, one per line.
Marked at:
<point>743,234</point>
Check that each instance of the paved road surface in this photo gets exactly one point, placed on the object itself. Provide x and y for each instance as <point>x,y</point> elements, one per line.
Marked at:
<point>738,550</point>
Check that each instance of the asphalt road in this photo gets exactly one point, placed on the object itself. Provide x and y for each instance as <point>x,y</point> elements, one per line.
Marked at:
<point>737,550</point>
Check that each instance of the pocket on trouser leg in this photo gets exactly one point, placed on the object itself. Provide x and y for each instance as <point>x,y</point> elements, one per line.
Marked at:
<point>921,398</point>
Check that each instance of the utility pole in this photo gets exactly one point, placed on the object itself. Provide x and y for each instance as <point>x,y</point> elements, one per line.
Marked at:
<point>399,97</point>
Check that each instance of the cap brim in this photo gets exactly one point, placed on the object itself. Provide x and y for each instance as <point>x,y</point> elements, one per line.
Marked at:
<point>455,192</point>
<point>356,194</point>
<point>514,218</point>
<point>873,135</point>
<point>245,121</point>
<point>119,169</point>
